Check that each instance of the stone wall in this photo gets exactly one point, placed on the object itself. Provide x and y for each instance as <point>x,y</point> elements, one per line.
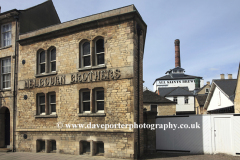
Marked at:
<point>164,109</point>
<point>119,85</point>
<point>237,95</point>
<point>6,95</point>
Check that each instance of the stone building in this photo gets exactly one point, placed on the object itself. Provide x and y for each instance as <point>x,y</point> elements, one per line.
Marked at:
<point>154,102</point>
<point>237,94</point>
<point>13,23</point>
<point>85,72</point>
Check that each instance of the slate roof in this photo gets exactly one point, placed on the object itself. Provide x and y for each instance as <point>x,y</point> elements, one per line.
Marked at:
<point>201,98</point>
<point>228,86</point>
<point>151,97</point>
<point>174,91</point>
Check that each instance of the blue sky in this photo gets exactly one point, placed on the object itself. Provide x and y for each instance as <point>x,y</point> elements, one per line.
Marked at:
<point>209,32</point>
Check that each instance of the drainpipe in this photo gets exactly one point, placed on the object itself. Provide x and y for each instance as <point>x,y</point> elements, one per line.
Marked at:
<point>139,33</point>
<point>14,81</point>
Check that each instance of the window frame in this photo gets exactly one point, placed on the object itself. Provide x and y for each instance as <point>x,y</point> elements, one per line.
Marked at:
<point>95,92</point>
<point>50,61</point>
<point>96,54</point>
<point>82,56</point>
<point>153,105</point>
<point>207,90</point>
<point>50,104</point>
<point>40,104</point>
<point>2,74</point>
<point>2,33</point>
<point>85,101</point>
<point>39,62</point>
<point>175,99</point>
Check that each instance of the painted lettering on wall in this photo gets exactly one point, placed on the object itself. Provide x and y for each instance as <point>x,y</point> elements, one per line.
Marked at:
<point>95,76</point>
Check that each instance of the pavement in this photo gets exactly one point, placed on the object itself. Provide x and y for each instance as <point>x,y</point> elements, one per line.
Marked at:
<point>157,156</point>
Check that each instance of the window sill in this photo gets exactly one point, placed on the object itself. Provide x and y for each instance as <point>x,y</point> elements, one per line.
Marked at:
<point>91,114</point>
<point>45,74</point>
<point>93,67</point>
<point>7,89</point>
<point>5,47</point>
<point>46,116</point>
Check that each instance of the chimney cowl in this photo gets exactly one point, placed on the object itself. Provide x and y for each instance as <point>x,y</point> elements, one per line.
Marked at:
<point>177,42</point>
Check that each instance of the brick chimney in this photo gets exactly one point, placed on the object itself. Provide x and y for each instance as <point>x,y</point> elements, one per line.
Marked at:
<point>229,76</point>
<point>222,76</point>
<point>177,53</point>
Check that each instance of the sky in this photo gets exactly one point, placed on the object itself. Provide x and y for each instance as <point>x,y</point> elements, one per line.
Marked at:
<point>208,30</point>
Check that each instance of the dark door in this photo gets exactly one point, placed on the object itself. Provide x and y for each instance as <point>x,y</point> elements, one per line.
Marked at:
<point>7,127</point>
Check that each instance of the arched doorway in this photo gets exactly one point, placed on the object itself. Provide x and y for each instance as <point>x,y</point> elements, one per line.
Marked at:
<point>4,127</point>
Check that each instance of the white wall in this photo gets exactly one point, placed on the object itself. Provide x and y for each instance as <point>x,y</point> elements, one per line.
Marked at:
<point>190,83</point>
<point>181,106</point>
<point>198,140</point>
<point>219,100</point>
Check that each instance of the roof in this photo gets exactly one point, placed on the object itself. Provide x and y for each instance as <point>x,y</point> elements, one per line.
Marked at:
<point>174,91</point>
<point>201,98</point>
<point>227,86</point>
<point>151,97</point>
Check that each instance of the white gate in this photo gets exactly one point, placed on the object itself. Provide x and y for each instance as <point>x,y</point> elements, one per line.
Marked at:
<point>218,133</point>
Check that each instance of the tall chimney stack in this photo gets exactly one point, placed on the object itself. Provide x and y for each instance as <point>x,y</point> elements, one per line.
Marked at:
<point>177,53</point>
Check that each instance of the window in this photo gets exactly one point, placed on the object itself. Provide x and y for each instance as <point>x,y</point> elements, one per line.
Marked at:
<point>99,148</point>
<point>92,101</point>
<point>42,103</point>
<point>46,61</point>
<point>175,99</point>
<point>52,147</point>
<point>91,57</point>
<point>154,107</point>
<point>100,51</point>
<point>85,147</point>
<point>86,101</point>
<point>6,34</point>
<point>206,90</point>
<point>86,56</point>
<point>52,103</point>
<point>6,73</point>
<point>40,145</point>
<point>52,60</point>
<point>186,99</point>
<point>99,100</point>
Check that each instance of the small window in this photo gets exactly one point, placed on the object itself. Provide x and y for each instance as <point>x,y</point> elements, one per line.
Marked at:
<point>86,101</point>
<point>154,107</point>
<point>99,148</point>
<point>85,147</point>
<point>6,73</point>
<point>175,99</point>
<point>40,146</point>
<point>6,34</point>
<point>100,51</point>
<point>207,90</point>
<point>86,56</point>
<point>186,99</point>
<point>99,100</point>
<point>52,103</point>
